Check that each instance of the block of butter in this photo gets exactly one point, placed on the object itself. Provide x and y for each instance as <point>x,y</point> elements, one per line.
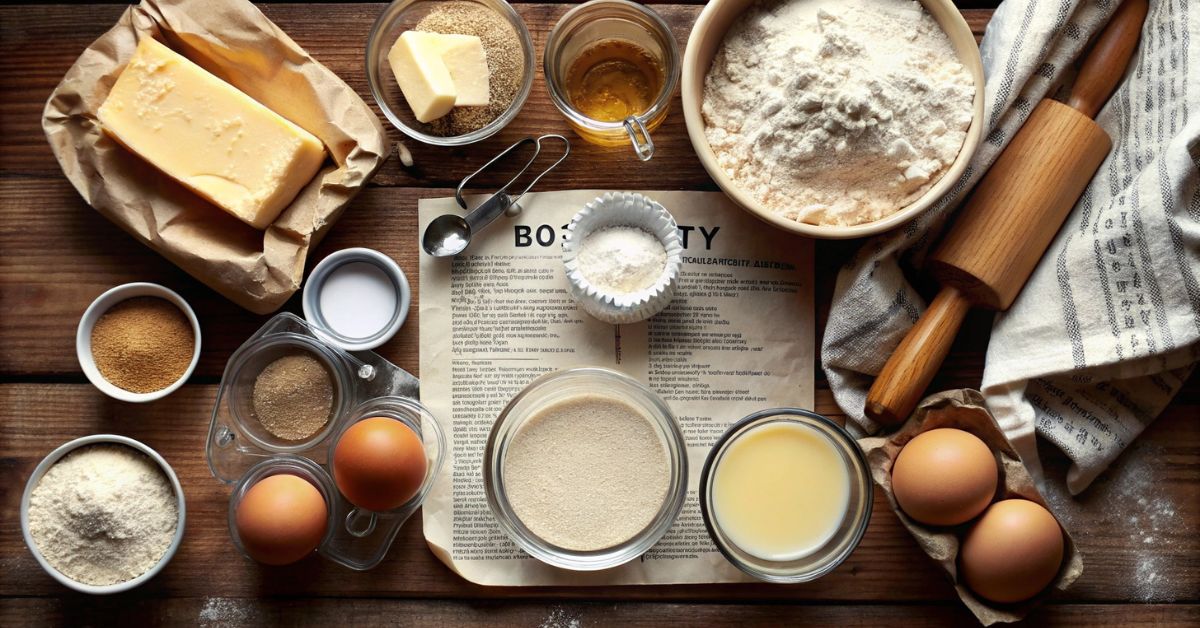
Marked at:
<point>208,135</point>
<point>438,72</point>
<point>465,58</point>
<point>425,81</point>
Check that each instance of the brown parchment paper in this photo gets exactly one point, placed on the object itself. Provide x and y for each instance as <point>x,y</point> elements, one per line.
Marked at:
<point>965,410</point>
<point>258,270</point>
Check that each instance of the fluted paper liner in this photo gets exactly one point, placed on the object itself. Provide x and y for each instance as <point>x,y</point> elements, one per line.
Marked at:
<point>965,410</point>
<point>626,209</point>
<point>256,269</point>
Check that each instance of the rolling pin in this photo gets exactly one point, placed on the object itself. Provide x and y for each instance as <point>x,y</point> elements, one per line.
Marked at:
<point>998,238</point>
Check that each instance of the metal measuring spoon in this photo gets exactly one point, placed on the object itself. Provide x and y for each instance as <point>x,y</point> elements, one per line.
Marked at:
<point>450,234</point>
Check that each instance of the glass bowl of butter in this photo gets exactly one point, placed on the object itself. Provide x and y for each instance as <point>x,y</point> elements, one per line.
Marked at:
<point>451,72</point>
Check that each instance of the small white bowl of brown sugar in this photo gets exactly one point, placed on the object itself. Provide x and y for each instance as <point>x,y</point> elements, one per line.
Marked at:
<point>138,342</point>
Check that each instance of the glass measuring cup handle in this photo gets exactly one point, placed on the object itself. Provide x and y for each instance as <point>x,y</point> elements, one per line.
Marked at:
<point>643,145</point>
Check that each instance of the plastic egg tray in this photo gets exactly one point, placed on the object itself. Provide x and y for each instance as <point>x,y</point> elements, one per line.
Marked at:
<point>241,451</point>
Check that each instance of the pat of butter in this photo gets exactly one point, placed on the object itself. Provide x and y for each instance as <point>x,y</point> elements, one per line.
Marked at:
<point>208,135</point>
<point>416,59</point>
<point>465,58</point>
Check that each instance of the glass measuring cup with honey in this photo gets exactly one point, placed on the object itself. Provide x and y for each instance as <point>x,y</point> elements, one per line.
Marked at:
<point>611,68</point>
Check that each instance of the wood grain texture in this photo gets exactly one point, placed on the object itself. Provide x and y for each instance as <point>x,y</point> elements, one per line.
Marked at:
<point>1139,525</point>
<point>994,244</point>
<point>336,36</point>
<point>1162,467</point>
<point>45,291</point>
<point>224,611</point>
<point>1104,66</point>
<point>997,240</point>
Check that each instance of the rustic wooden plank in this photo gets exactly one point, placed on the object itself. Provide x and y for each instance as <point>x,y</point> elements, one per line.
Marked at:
<point>1139,525</point>
<point>46,291</point>
<point>336,36</point>
<point>1150,560</point>
<point>228,612</point>
<point>177,427</point>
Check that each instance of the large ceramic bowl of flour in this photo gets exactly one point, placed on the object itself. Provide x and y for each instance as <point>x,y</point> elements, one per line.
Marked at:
<point>833,118</point>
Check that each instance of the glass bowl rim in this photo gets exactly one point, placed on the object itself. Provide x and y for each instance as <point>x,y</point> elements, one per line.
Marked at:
<point>608,557</point>
<point>665,95</point>
<point>339,377</point>
<point>412,414</point>
<point>857,461</point>
<point>391,13</point>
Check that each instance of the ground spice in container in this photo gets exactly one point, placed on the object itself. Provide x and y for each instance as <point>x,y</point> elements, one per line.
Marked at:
<point>587,472</point>
<point>504,59</point>
<point>293,397</point>
<point>103,514</point>
<point>143,344</point>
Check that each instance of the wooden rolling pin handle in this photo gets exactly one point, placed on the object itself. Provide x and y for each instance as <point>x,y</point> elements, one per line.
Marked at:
<point>907,374</point>
<point>1105,65</point>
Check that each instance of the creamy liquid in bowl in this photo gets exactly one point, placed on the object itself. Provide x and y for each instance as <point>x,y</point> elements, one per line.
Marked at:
<point>780,491</point>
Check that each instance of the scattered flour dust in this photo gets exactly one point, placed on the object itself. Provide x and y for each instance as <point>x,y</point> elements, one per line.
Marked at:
<point>560,617</point>
<point>836,112</point>
<point>224,611</point>
<point>1150,518</point>
<point>1139,513</point>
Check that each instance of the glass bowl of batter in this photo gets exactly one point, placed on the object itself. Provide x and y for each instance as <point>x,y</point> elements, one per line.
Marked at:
<point>585,469</point>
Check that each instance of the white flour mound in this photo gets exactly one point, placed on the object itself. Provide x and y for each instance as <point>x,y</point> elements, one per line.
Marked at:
<point>836,112</point>
<point>103,514</point>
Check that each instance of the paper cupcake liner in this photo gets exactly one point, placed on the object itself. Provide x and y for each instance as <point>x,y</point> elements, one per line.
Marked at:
<point>624,209</point>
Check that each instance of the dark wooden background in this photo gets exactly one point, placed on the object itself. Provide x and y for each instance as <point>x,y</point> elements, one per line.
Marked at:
<point>1138,526</point>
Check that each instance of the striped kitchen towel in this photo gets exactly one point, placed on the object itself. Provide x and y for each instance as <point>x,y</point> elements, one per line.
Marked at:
<point>1108,327</point>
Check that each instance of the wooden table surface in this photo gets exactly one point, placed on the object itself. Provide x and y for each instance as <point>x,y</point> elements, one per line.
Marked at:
<point>1138,526</point>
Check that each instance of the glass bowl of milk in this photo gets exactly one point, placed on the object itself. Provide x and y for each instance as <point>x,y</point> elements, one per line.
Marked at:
<point>786,495</point>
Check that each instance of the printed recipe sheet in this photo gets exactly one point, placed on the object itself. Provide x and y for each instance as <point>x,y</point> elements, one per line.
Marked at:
<point>737,338</point>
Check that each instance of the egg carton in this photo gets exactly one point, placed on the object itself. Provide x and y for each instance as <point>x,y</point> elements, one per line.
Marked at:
<point>241,451</point>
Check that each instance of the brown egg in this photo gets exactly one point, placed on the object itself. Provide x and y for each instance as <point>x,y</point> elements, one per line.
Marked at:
<point>944,477</point>
<point>379,463</point>
<point>1012,552</point>
<point>281,519</point>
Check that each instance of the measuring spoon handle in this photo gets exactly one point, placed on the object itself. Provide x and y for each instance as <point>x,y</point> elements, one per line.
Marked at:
<point>489,211</point>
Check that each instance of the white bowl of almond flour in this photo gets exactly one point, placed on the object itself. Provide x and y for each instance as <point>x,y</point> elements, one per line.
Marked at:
<point>833,118</point>
<point>103,514</point>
